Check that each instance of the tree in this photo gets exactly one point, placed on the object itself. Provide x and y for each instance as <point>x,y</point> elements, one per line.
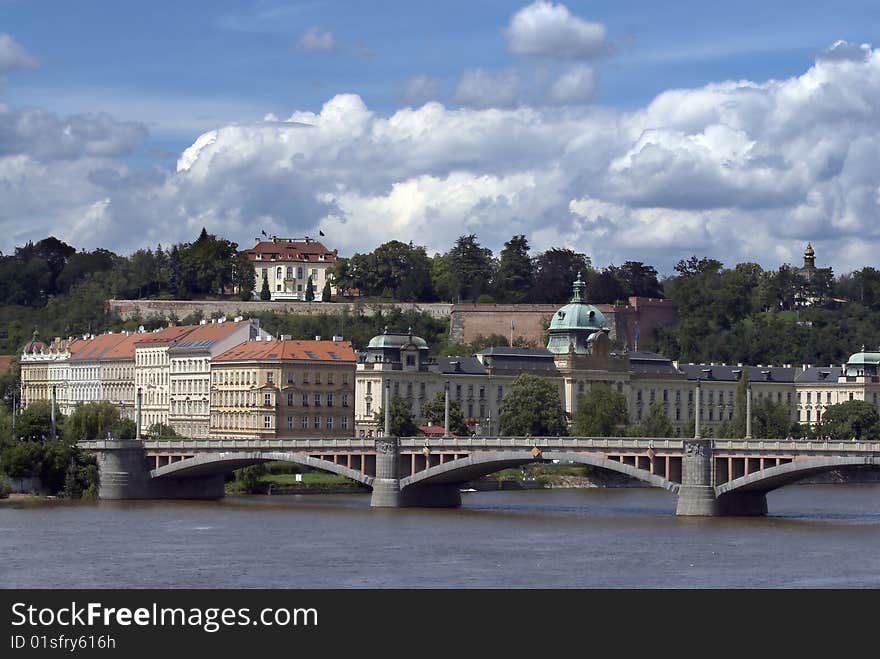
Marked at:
<point>442,280</point>
<point>471,266</point>
<point>265,293</point>
<point>531,407</point>
<point>515,278</point>
<point>250,477</point>
<point>770,420</point>
<point>655,423</point>
<point>326,293</point>
<point>434,412</point>
<point>310,290</point>
<point>555,271</point>
<point>601,412</point>
<point>35,422</point>
<point>94,421</point>
<point>605,288</point>
<point>638,279</point>
<point>401,421</point>
<point>856,419</point>
<point>162,431</point>
<point>243,276</point>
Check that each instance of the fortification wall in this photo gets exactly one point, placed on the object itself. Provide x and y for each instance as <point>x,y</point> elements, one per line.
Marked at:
<point>145,309</point>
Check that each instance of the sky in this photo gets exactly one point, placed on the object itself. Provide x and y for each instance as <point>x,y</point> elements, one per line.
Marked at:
<point>625,130</point>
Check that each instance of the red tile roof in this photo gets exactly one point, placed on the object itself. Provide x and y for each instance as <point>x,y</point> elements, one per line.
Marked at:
<point>94,348</point>
<point>289,249</point>
<point>328,351</point>
<point>165,335</point>
<point>125,348</point>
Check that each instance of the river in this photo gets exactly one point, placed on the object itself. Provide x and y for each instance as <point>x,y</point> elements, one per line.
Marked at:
<point>816,536</point>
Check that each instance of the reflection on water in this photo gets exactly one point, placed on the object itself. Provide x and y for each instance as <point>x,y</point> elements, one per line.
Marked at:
<point>815,536</point>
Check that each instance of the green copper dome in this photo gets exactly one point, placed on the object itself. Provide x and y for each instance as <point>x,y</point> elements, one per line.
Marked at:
<point>387,340</point>
<point>577,314</point>
<point>864,357</point>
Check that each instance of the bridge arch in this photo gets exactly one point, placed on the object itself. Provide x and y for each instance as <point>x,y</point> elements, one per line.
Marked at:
<point>208,464</point>
<point>773,478</point>
<point>483,463</point>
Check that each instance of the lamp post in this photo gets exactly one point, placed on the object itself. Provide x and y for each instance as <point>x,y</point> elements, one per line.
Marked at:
<point>749,409</point>
<point>54,429</point>
<point>140,404</point>
<point>446,409</point>
<point>387,406</point>
<point>697,411</point>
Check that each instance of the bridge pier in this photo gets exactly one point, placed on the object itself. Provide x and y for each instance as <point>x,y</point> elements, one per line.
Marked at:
<point>123,473</point>
<point>386,485</point>
<point>696,497</point>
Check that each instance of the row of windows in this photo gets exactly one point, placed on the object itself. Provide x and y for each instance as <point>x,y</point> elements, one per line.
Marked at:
<point>151,358</point>
<point>199,386</point>
<point>250,377</point>
<point>189,365</point>
<point>238,398</point>
<point>238,421</point>
<point>457,391</point>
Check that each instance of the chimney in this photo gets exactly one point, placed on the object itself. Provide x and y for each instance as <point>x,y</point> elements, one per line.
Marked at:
<point>317,337</point>
<point>336,337</point>
<point>286,337</point>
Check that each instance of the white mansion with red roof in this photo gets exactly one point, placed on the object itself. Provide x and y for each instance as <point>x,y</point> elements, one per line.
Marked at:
<point>287,264</point>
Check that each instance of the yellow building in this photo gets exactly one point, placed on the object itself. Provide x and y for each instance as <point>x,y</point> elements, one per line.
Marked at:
<point>283,389</point>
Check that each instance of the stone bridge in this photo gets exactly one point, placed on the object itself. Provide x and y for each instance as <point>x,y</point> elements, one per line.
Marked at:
<point>709,476</point>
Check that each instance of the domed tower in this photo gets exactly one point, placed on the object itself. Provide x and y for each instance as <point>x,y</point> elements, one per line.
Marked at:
<point>809,268</point>
<point>578,328</point>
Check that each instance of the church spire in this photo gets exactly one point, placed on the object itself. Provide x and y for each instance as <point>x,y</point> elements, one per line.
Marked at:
<point>809,256</point>
<point>578,286</point>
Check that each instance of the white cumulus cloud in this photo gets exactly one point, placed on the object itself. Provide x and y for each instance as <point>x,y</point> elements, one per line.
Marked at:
<point>577,85</point>
<point>13,56</point>
<point>551,30</point>
<point>738,170</point>
<point>316,40</point>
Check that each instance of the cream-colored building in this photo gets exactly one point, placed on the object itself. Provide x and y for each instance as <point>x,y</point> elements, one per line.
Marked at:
<point>189,411</point>
<point>117,374</point>
<point>152,373</point>
<point>287,264</point>
<point>46,369</point>
<point>283,389</point>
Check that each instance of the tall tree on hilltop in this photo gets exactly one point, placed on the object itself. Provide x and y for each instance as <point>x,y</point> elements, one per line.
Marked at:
<point>243,277</point>
<point>265,293</point>
<point>472,267</point>
<point>604,288</point>
<point>638,279</point>
<point>555,271</point>
<point>310,290</point>
<point>515,278</point>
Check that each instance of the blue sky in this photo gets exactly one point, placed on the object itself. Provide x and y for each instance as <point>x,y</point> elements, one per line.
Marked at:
<point>181,69</point>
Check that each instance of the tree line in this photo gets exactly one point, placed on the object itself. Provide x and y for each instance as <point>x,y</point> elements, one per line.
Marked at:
<point>470,272</point>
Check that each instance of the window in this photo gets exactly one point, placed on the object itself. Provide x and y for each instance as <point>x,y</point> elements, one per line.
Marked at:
<point>317,400</point>
<point>267,421</point>
<point>277,287</point>
<point>470,409</point>
<point>267,399</point>
<point>290,379</point>
<point>850,396</point>
<point>290,423</point>
<point>665,395</point>
<point>422,390</point>
<point>306,377</point>
<point>315,273</point>
<point>345,423</point>
<point>470,392</point>
<point>329,423</point>
<point>305,400</point>
<point>305,423</point>
<point>318,377</point>
<point>299,273</point>
<point>482,392</point>
<point>317,423</point>
<point>270,378</point>
<point>652,395</point>
<point>345,379</point>
<point>397,389</point>
<point>409,389</point>
<point>639,396</point>
<point>329,400</point>
<point>580,387</point>
<point>289,272</point>
<point>290,400</point>
<point>344,400</point>
<point>330,378</point>
<point>678,414</point>
<point>410,360</point>
<point>458,391</point>
<point>809,396</point>
<point>828,397</point>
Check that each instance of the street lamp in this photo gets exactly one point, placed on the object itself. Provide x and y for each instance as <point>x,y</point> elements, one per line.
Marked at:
<point>446,409</point>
